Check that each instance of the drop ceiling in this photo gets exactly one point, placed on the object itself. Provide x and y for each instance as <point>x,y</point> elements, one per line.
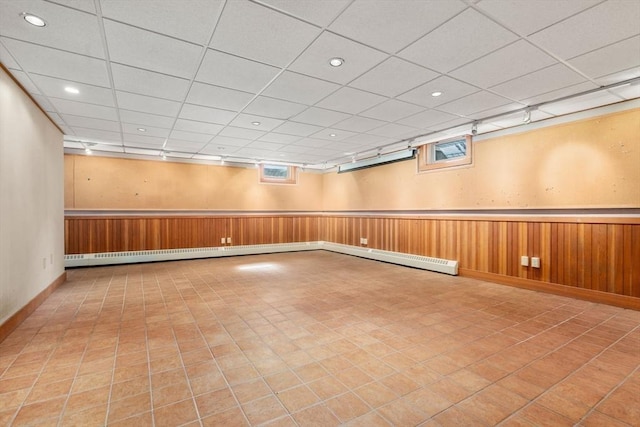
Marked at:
<point>251,80</point>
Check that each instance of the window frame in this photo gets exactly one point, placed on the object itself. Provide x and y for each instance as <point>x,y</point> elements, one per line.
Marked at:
<point>427,161</point>
<point>291,178</point>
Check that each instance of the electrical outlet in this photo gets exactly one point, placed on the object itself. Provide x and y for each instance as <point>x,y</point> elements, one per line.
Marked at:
<point>228,240</point>
<point>524,261</point>
<point>222,240</point>
<point>364,241</point>
<point>535,262</point>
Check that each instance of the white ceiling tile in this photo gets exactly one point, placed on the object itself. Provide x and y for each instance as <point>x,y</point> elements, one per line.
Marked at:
<point>580,103</point>
<point>135,80</point>
<point>198,127</point>
<point>218,150</point>
<point>350,100</point>
<point>254,153</point>
<point>276,108</point>
<point>609,59</point>
<point>139,48</point>
<point>513,61</point>
<point>539,82</point>
<point>66,29</point>
<point>243,133</point>
<point>527,17</point>
<point>451,89</point>
<point>103,135</point>
<point>260,123</point>
<point>90,123</point>
<point>189,136</point>
<point>180,145</point>
<point>57,63</point>
<point>133,140</point>
<point>317,12</point>
<point>279,138</point>
<point>428,118</point>
<point>83,5</point>
<point>331,134</point>
<point>468,36</point>
<point>359,124</point>
<point>6,58</point>
<point>72,144</point>
<point>53,87</point>
<point>473,103</point>
<point>599,26</point>
<point>265,145</point>
<point>82,109</point>
<point>218,97</point>
<point>26,82</point>
<point>392,110</point>
<point>501,109</point>
<point>393,77</point>
<point>393,130</point>
<point>43,102</point>
<point>559,93</point>
<point>145,119</point>
<point>147,104</point>
<point>299,129</point>
<point>298,88</point>
<point>621,76</point>
<point>266,36</point>
<point>368,139</point>
<point>149,131</point>
<point>308,142</point>
<point>228,141</point>
<point>206,114</point>
<point>193,22</point>
<point>222,69</point>
<point>357,59</point>
<point>392,25</point>
<point>320,117</point>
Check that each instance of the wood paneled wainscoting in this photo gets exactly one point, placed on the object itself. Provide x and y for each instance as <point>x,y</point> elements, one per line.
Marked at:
<point>121,233</point>
<point>581,256</point>
<point>585,257</point>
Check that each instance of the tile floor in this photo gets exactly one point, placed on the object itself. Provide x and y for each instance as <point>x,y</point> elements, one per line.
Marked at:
<point>315,338</point>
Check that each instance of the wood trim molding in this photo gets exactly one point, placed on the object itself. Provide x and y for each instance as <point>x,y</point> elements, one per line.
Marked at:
<point>552,288</point>
<point>18,317</point>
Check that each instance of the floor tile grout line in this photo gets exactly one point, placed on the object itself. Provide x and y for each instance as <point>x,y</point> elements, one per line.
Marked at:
<point>553,386</point>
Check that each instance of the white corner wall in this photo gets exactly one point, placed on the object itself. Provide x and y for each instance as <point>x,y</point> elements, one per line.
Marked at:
<point>31,199</point>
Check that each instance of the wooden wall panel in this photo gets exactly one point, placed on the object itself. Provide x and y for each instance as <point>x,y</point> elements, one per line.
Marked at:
<point>601,257</point>
<point>597,256</point>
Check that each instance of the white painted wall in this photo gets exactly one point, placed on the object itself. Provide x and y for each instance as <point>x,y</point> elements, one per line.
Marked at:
<point>31,199</point>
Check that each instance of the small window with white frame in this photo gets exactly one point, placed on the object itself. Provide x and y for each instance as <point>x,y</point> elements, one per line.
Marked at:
<point>445,154</point>
<point>278,174</point>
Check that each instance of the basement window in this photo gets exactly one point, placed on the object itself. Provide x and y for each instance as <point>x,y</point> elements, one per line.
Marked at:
<point>445,154</point>
<point>278,174</point>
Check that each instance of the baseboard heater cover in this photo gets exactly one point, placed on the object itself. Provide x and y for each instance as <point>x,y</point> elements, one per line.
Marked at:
<point>131,257</point>
<point>417,261</point>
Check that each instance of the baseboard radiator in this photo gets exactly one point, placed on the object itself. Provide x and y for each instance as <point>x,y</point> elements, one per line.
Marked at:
<point>132,257</point>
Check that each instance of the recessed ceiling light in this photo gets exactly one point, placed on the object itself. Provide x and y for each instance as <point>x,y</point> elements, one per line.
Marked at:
<point>436,93</point>
<point>255,123</point>
<point>142,130</point>
<point>87,151</point>
<point>33,19</point>
<point>72,90</point>
<point>336,62</point>
<point>332,135</point>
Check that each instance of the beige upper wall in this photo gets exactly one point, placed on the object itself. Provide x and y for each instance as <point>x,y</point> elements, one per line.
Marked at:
<point>592,163</point>
<point>31,199</point>
<point>111,183</point>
